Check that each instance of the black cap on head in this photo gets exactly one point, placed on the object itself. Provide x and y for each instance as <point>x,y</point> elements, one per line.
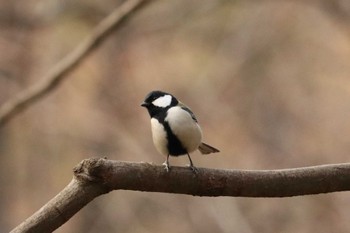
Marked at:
<point>153,95</point>
<point>156,101</point>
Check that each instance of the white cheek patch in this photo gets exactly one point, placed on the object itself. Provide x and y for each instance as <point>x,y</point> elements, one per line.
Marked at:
<point>163,101</point>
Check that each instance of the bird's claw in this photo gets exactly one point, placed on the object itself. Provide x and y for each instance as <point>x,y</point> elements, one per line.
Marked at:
<point>193,168</point>
<point>166,166</point>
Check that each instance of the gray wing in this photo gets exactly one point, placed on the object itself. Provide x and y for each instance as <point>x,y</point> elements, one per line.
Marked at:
<point>184,107</point>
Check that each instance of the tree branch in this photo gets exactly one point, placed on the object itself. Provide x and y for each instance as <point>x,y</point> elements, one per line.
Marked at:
<point>51,80</point>
<point>97,176</point>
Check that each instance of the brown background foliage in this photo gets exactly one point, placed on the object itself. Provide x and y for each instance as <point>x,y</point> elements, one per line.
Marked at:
<point>268,81</point>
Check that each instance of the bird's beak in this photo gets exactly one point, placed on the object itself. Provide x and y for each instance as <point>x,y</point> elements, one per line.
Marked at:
<point>144,104</point>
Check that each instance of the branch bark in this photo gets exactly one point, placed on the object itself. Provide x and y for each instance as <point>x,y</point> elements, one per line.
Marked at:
<point>54,76</point>
<point>97,176</point>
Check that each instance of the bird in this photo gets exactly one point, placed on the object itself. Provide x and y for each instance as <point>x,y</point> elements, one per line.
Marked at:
<point>175,129</point>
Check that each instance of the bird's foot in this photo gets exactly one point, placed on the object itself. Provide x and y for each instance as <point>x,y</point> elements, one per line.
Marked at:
<point>166,166</point>
<point>193,168</point>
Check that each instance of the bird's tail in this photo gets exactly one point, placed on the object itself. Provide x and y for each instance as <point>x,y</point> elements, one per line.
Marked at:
<point>206,149</point>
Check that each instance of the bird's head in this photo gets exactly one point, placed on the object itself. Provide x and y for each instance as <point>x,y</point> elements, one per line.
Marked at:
<point>157,101</point>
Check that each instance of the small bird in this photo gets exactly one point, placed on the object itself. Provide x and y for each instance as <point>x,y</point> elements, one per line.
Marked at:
<point>175,129</point>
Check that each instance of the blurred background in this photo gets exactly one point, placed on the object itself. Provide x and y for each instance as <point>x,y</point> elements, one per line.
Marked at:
<point>269,82</point>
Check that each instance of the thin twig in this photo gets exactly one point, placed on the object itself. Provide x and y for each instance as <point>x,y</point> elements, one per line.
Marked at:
<point>51,80</point>
<point>97,176</point>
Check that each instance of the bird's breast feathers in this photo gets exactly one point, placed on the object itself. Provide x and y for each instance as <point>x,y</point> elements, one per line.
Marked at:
<point>184,127</point>
<point>159,136</point>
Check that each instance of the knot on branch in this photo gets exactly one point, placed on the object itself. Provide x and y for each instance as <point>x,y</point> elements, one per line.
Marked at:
<point>90,170</point>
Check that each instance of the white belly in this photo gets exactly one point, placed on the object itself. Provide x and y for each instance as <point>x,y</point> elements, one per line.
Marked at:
<point>159,137</point>
<point>185,128</point>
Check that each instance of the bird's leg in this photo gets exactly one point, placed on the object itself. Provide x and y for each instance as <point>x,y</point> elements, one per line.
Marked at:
<point>193,168</point>
<point>166,164</point>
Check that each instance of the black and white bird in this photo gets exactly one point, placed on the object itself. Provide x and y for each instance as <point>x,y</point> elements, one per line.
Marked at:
<point>175,129</point>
